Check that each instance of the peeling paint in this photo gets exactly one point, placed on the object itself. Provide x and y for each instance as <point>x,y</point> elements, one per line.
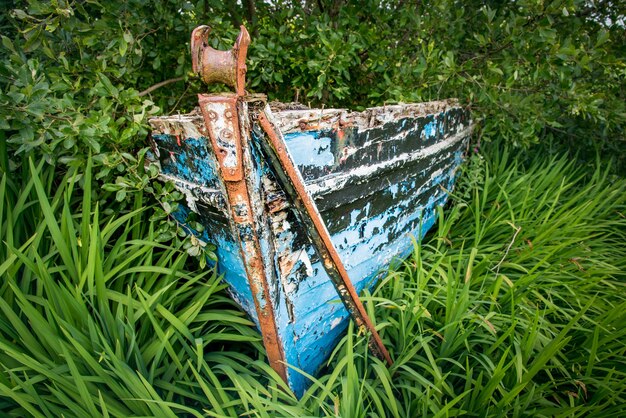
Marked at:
<point>311,148</point>
<point>376,178</point>
<point>327,184</point>
<point>335,322</point>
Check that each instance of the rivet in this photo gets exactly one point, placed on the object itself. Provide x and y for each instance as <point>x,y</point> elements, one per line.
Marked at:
<point>226,133</point>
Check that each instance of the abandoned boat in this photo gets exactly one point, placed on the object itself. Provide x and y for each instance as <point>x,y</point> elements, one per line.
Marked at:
<point>307,207</point>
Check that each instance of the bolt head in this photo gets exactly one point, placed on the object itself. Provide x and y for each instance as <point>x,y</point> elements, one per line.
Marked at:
<point>226,133</point>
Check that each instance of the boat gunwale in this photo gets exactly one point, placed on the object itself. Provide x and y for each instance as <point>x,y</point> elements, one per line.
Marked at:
<point>292,120</point>
<point>320,187</point>
<point>300,120</point>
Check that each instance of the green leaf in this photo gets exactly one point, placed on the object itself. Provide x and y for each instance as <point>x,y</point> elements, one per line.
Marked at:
<point>128,37</point>
<point>51,223</point>
<point>6,42</point>
<point>110,89</point>
<point>123,46</point>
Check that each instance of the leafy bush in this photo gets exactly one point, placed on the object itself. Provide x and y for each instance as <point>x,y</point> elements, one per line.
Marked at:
<point>75,76</point>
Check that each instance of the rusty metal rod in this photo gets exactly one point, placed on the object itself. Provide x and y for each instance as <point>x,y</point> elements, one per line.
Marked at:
<point>293,184</point>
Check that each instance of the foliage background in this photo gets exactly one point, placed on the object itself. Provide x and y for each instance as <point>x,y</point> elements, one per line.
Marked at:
<point>73,72</point>
<point>95,275</point>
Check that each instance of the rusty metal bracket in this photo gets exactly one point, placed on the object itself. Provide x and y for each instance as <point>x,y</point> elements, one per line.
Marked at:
<point>212,65</point>
<point>221,117</point>
<point>222,123</point>
<point>291,180</point>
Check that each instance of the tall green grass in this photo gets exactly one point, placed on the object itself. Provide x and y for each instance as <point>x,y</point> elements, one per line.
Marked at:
<point>100,320</point>
<point>515,305</point>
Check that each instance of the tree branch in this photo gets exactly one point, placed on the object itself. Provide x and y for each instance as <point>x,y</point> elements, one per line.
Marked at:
<point>251,16</point>
<point>161,84</point>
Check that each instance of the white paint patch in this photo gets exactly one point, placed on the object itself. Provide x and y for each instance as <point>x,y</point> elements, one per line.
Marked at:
<point>353,215</point>
<point>187,125</point>
<point>290,287</point>
<point>190,198</point>
<point>437,173</point>
<point>304,258</point>
<point>221,125</point>
<point>335,322</point>
<point>187,187</point>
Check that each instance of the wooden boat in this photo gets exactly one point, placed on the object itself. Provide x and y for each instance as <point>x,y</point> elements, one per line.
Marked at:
<point>306,206</point>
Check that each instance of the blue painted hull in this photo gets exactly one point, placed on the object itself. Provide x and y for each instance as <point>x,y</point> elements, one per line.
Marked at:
<point>377,178</point>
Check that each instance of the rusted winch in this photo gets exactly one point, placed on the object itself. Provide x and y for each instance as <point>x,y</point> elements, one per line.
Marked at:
<point>212,65</point>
